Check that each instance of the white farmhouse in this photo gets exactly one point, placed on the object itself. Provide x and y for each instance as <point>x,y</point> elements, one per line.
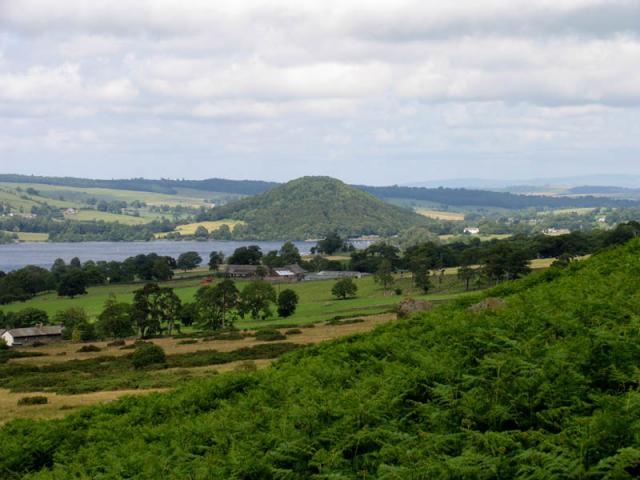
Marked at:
<point>24,336</point>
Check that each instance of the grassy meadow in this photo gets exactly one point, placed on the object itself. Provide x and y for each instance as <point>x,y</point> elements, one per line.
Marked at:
<point>440,215</point>
<point>316,302</point>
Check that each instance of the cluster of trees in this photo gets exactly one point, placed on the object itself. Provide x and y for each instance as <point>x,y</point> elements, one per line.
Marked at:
<point>75,231</point>
<point>73,278</point>
<point>544,387</point>
<point>156,309</point>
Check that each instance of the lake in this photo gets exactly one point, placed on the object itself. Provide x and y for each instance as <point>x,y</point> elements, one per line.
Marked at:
<point>43,254</point>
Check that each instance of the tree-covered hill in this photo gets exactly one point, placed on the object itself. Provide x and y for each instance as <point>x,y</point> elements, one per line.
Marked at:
<point>444,196</point>
<point>543,388</point>
<point>310,207</point>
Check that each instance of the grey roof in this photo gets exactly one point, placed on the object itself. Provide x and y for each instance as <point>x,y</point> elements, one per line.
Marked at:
<point>242,268</point>
<point>295,268</point>
<point>36,331</point>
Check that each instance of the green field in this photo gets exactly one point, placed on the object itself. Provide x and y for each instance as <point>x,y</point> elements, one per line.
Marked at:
<point>316,302</point>
<point>90,215</point>
<point>31,236</point>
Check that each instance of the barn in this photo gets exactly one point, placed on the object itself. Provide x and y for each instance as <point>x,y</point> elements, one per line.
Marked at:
<point>25,336</point>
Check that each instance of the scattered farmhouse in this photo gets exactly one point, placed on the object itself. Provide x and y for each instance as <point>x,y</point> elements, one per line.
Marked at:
<point>333,275</point>
<point>287,273</point>
<point>70,211</point>
<point>26,336</point>
<point>241,271</point>
<point>472,230</point>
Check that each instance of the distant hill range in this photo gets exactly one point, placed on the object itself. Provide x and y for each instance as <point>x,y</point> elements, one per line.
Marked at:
<point>440,195</point>
<point>310,207</point>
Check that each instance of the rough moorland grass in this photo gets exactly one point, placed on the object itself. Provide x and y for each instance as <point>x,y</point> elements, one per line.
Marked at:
<point>118,372</point>
<point>544,388</point>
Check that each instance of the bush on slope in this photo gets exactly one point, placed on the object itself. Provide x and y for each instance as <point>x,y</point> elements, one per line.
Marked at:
<point>544,388</point>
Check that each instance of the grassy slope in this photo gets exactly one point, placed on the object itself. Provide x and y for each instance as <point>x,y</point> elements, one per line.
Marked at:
<point>545,388</point>
<point>309,207</point>
<point>316,301</point>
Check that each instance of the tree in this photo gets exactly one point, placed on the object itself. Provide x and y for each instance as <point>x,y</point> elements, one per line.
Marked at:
<point>421,279</point>
<point>331,244</point>
<point>188,261</point>
<point>344,288</point>
<point>250,255</point>
<point>384,274</point>
<point>70,319</point>
<point>72,283</point>
<point>287,303</point>
<point>27,317</point>
<point>201,232</point>
<point>115,319</point>
<point>289,254</point>
<point>563,261</point>
<point>189,314</point>
<point>153,306</point>
<point>215,260</point>
<point>466,274</point>
<point>256,299</point>
<point>214,304</point>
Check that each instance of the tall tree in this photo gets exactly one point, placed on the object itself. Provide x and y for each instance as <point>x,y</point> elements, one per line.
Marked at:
<point>344,288</point>
<point>152,306</point>
<point>215,260</point>
<point>384,274</point>
<point>287,303</point>
<point>256,299</point>
<point>72,283</point>
<point>466,274</point>
<point>215,303</point>
<point>250,255</point>
<point>188,261</point>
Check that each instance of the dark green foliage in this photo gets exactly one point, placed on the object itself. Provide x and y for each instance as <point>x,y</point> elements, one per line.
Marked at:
<point>293,331</point>
<point>72,283</point>
<point>188,260</point>
<point>331,244</point>
<point>152,307</point>
<point>256,300</point>
<point>7,354</point>
<point>546,387</point>
<point>309,207</point>
<point>250,255</point>
<point>89,349</point>
<point>215,260</point>
<point>34,400</point>
<point>115,320</point>
<point>215,305</point>
<point>287,303</point>
<point>269,335</point>
<point>117,343</point>
<point>344,288</point>
<point>147,355</point>
<point>27,317</point>
<point>70,319</point>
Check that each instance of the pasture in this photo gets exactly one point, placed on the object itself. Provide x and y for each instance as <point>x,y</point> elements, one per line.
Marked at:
<point>190,228</point>
<point>316,302</point>
<point>440,214</point>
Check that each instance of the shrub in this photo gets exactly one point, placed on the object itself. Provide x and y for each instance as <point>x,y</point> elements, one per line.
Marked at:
<point>187,342</point>
<point>344,288</point>
<point>148,354</point>
<point>269,335</point>
<point>89,348</point>
<point>397,291</point>
<point>3,344</point>
<point>117,343</point>
<point>287,302</point>
<point>293,331</point>
<point>247,366</point>
<point>35,400</point>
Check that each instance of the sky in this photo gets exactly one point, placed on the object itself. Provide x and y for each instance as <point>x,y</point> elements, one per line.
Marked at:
<point>371,92</point>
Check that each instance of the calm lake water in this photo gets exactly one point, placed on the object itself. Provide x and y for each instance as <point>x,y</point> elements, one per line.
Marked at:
<point>18,255</point>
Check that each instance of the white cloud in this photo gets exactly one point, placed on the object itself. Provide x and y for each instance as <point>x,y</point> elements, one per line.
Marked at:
<point>287,79</point>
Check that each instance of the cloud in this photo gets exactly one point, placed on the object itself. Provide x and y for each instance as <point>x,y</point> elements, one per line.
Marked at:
<point>286,81</point>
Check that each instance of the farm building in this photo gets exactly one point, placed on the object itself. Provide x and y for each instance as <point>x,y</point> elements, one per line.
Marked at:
<point>26,336</point>
<point>472,230</point>
<point>241,271</point>
<point>289,272</point>
<point>334,275</point>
